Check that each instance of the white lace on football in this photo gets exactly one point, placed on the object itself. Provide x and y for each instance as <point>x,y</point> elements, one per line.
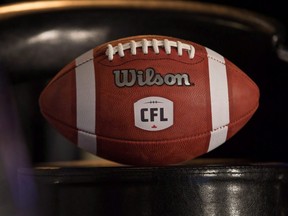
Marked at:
<point>145,44</point>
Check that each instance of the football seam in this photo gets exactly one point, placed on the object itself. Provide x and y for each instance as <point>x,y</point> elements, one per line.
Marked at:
<point>194,63</point>
<point>215,59</point>
<point>202,59</point>
<point>231,124</point>
<point>241,73</point>
<point>87,60</point>
<point>246,77</point>
<point>68,70</point>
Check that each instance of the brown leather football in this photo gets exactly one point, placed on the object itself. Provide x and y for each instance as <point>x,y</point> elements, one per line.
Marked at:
<point>149,100</point>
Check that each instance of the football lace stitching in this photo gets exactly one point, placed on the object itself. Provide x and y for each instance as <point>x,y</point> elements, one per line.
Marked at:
<point>145,44</point>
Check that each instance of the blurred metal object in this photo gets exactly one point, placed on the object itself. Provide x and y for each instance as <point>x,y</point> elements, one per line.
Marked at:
<point>226,188</point>
<point>32,52</point>
<point>66,29</point>
<point>282,52</point>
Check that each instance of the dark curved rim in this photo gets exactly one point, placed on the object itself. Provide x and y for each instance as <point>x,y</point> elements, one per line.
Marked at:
<point>260,22</point>
<point>267,24</point>
<point>268,171</point>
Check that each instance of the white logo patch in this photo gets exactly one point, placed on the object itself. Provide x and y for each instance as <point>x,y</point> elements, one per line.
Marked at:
<point>153,113</point>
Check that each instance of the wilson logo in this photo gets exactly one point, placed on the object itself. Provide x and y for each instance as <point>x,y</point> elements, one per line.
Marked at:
<point>131,77</point>
<point>153,113</point>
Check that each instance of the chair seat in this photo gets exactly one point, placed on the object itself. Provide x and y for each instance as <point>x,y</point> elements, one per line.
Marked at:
<point>202,187</point>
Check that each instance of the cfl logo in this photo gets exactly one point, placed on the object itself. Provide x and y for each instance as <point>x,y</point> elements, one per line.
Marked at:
<point>153,113</point>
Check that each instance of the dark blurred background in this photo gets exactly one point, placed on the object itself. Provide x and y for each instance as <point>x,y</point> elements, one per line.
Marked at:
<point>31,140</point>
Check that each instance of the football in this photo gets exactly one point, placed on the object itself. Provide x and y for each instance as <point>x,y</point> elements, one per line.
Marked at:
<point>149,100</point>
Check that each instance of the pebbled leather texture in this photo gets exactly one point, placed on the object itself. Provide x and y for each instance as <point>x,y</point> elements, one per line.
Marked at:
<point>32,54</point>
<point>219,189</point>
